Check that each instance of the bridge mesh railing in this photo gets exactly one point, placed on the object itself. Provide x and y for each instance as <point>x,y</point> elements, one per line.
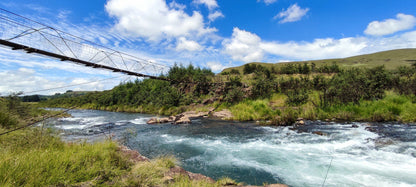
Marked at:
<point>24,31</point>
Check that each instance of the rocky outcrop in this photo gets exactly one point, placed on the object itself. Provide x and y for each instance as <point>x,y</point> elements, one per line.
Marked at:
<point>182,119</point>
<point>175,171</point>
<point>185,118</point>
<point>223,114</point>
<point>161,120</point>
<point>132,155</point>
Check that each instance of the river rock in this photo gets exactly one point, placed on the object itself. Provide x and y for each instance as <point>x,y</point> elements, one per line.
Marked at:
<point>319,133</point>
<point>354,126</point>
<point>182,120</point>
<point>160,120</point>
<point>152,121</point>
<point>371,129</point>
<point>223,114</point>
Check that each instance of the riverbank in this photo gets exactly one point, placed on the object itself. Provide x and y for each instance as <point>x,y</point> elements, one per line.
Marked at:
<point>37,156</point>
<point>275,111</point>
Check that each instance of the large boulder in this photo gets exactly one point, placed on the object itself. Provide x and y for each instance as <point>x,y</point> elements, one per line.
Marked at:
<point>223,114</point>
<point>182,120</point>
<point>160,120</point>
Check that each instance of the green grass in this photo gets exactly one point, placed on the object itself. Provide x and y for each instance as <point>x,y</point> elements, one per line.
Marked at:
<point>253,110</point>
<point>34,157</point>
<point>393,107</point>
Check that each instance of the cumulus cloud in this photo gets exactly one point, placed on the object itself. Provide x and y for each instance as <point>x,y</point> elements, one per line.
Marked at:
<point>244,46</point>
<point>211,4</point>
<point>390,26</point>
<point>176,5</point>
<point>318,49</point>
<point>268,2</point>
<point>32,82</point>
<point>248,47</point>
<point>292,14</point>
<point>215,15</point>
<point>216,66</point>
<point>23,79</point>
<point>155,20</point>
<point>189,45</point>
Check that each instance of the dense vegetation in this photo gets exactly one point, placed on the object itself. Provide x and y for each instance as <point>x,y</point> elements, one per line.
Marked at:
<point>277,94</point>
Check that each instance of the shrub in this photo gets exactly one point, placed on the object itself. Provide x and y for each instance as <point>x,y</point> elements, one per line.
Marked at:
<point>7,121</point>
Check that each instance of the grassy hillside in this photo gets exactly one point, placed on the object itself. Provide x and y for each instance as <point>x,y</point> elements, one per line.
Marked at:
<point>390,59</point>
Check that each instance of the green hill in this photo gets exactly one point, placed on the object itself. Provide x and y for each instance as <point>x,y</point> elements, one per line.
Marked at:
<point>390,59</point>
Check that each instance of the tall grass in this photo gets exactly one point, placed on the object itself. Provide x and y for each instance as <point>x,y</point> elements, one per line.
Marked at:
<point>253,110</point>
<point>37,158</point>
<point>393,107</point>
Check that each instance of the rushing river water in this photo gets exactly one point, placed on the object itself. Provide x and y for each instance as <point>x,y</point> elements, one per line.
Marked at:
<point>361,155</point>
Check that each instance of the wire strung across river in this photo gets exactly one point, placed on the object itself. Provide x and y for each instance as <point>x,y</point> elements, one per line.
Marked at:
<point>30,124</point>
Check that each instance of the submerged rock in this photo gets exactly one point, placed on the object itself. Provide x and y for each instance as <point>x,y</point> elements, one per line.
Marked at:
<point>371,129</point>
<point>354,126</point>
<point>319,133</point>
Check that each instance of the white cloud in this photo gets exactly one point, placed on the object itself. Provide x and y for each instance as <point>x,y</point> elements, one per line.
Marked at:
<point>215,15</point>
<point>390,26</point>
<point>216,66</point>
<point>211,4</point>
<point>189,45</point>
<point>23,79</point>
<point>318,49</point>
<point>176,5</point>
<point>154,20</point>
<point>268,2</point>
<point>244,46</point>
<point>292,14</point>
<point>248,47</point>
<point>31,82</point>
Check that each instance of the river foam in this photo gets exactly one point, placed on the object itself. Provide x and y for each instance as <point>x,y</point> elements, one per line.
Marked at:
<point>302,159</point>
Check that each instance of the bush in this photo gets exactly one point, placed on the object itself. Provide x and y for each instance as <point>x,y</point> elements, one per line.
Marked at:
<point>297,97</point>
<point>7,121</point>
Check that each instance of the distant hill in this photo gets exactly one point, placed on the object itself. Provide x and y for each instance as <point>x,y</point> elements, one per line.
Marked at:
<point>390,59</point>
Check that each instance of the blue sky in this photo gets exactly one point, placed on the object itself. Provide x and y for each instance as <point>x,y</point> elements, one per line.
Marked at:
<point>207,33</point>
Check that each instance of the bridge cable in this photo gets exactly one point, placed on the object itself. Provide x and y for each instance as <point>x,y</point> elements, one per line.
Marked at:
<point>327,171</point>
<point>33,123</point>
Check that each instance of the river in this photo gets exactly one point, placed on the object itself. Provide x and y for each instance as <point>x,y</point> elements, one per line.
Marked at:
<point>347,154</point>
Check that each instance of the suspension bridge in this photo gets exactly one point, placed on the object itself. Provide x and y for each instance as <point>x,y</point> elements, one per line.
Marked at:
<point>21,33</point>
